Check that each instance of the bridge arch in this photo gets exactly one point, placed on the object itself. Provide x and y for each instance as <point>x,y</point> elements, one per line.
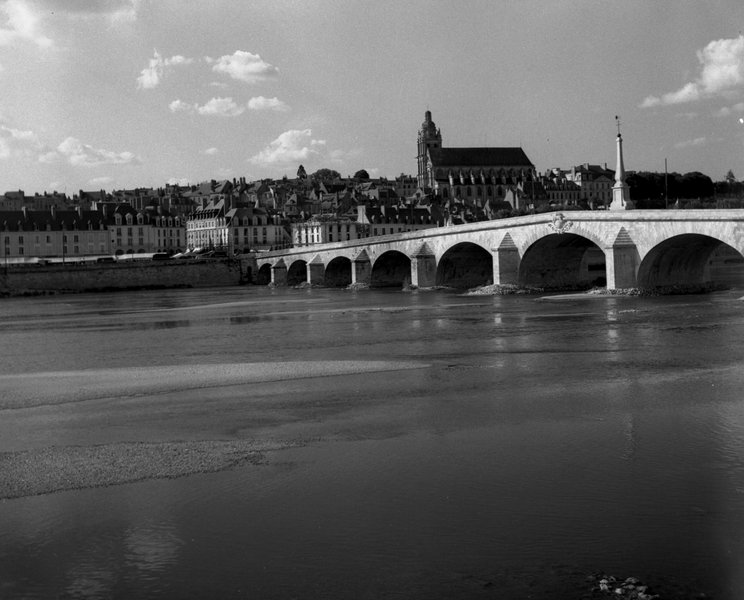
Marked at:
<point>338,272</point>
<point>689,261</point>
<point>297,272</point>
<point>391,269</point>
<point>563,261</point>
<point>263,275</point>
<point>465,265</point>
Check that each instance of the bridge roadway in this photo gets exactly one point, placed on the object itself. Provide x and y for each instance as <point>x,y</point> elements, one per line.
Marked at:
<point>619,249</point>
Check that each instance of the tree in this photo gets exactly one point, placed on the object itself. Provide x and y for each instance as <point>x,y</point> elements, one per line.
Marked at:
<point>326,175</point>
<point>301,174</point>
<point>361,174</point>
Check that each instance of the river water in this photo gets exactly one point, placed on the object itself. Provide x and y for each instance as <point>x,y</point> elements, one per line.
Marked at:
<point>278,443</point>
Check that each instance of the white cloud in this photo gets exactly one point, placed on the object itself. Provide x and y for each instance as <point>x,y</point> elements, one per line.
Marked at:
<point>153,73</point>
<point>21,24</point>
<point>52,156</point>
<point>216,107</point>
<point>181,106</point>
<point>211,151</point>
<point>85,155</point>
<point>261,103</point>
<point>244,66</point>
<point>100,181</point>
<point>19,142</point>
<point>722,70</point>
<point>727,111</point>
<point>689,143</point>
<point>114,10</point>
<point>291,146</point>
<point>221,107</point>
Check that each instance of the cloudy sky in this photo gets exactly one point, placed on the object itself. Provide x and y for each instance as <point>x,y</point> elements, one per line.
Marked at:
<point>123,93</point>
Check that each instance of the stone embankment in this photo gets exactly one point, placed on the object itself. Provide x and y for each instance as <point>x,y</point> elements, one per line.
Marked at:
<point>104,277</point>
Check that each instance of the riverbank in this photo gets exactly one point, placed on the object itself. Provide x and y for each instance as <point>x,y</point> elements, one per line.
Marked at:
<point>670,290</point>
<point>71,278</point>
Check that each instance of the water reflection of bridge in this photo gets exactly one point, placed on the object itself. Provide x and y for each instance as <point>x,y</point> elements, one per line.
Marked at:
<point>621,249</point>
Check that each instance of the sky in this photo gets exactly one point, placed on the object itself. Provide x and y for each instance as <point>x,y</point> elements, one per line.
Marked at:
<point>117,94</point>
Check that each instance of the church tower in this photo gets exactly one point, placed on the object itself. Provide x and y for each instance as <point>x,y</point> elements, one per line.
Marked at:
<point>428,137</point>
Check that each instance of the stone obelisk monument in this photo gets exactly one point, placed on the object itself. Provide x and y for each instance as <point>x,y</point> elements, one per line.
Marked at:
<point>620,191</point>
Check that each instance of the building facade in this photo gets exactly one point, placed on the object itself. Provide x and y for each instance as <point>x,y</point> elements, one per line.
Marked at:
<point>28,234</point>
<point>235,230</point>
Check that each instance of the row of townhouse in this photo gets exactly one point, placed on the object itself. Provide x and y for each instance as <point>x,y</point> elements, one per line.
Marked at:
<point>234,229</point>
<point>368,220</point>
<point>79,233</point>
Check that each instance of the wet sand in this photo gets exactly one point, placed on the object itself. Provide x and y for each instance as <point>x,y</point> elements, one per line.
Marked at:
<point>56,469</point>
<point>37,400</point>
<point>60,387</point>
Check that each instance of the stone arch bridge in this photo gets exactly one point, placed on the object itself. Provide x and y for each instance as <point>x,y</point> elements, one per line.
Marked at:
<point>616,249</point>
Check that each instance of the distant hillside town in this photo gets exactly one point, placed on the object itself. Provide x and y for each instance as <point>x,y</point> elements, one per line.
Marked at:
<point>452,186</point>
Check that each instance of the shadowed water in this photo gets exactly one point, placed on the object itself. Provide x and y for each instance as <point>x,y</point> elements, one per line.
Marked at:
<point>248,442</point>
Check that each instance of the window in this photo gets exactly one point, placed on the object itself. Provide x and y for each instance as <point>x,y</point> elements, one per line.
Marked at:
<point>20,250</point>
<point>20,240</point>
<point>49,239</point>
<point>75,238</point>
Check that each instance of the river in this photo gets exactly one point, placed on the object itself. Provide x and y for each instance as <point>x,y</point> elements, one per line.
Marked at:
<point>251,442</point>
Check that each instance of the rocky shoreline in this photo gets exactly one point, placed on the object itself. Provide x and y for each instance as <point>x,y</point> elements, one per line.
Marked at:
<point>671,290</point>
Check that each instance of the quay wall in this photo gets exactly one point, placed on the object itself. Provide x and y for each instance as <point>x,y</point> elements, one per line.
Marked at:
<point>74,278</point>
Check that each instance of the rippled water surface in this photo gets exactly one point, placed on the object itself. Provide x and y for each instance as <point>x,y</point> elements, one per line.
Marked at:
<point>257,443</point>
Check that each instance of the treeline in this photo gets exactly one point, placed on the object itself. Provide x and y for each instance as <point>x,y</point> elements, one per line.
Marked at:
<point>659,190</point>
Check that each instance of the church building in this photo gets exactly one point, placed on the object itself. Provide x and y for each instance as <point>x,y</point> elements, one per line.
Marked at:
<point>474,175</point>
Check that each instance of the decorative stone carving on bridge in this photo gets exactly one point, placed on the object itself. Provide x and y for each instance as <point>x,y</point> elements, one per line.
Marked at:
<point>560,224</point>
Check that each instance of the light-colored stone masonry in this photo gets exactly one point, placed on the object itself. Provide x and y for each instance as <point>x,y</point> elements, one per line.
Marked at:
<point>625,237</point>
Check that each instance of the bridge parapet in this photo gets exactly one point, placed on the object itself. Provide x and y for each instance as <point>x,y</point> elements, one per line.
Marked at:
<point>625,238</point>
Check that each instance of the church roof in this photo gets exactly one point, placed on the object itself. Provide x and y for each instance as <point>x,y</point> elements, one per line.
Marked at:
<point>479,157</point>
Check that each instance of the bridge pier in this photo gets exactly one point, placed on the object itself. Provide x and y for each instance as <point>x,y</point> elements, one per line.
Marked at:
<point>361,269</point>
<point>506,262</point>
<point>316,271</point>
<point>621,262</point>
<point>279,273</point>
<point>423,268</point>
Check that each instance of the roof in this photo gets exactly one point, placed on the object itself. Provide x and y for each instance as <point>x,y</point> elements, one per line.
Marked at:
<point>479,157</point>
<point>37,220</point>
